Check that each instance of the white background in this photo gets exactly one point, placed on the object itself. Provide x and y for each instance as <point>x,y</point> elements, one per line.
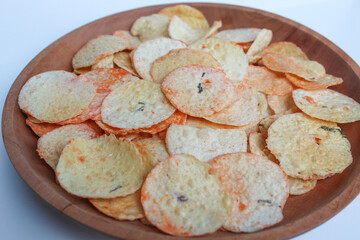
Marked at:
<point>27,27</point>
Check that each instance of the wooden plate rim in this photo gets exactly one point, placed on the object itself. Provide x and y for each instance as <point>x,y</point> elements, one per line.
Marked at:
<point>291,229</point>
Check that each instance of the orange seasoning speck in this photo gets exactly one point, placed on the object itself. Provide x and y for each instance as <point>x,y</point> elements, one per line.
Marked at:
<point>346,109</point>
<point>310,100</point>
<point>242,207</point>
<point>81,159</point>
<point>317,140</point>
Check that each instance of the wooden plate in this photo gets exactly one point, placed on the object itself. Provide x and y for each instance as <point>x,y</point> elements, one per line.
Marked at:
<point>301,212</point>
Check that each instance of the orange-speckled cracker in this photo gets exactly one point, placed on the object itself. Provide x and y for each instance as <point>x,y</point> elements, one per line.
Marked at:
<point>177,117</point>
<point>130,41</point>
<point>324,82</point>
<point>199,91</point>
<point>41,128</point>
<point>288,49</point>
<point>309,70</point>
<point>258,187</point>
<point>123,60</point>
<point>280,103</point>
<point>181,198</point>
<point>267,81</point>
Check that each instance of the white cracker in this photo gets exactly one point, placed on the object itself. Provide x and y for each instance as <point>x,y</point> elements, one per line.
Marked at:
<point>150,27</point>
<point>262,40</point>
<point>239,35</point>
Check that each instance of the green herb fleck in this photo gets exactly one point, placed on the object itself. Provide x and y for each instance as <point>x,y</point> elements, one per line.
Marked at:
<point>323,106</point>
<point>118,187</point>
<point>141,108</point>
<point>182,198</point>
<point>203,74</point>
<point>334,130</point>
<point>200,88</point>
<point>261,125</point>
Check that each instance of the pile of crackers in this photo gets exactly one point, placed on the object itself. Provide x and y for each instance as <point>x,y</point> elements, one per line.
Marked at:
<point>189,128</point>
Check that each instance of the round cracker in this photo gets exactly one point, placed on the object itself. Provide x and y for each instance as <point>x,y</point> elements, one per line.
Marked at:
<point>327,105</point>
<point>288,49</point>
<point>262,40</point>
<point>240,35</point>
<point>324,82</point>
<point>299,186</point>
<point>123,60</point>
<point>178,58</point>
<point>193,17</point>
<point>180,30</point>
<point>181,198</point>
<point>120,208</point>
<point>240,113</point>
<point>198,90</point>
<point>150,27</point>
<point>96,49</point>
<point>232,58</point>
<point>130,41</point>
<point>56,96</point>
<point>308,148</point>
<point>103,167</point>
<point>106,62</point>
<point>267,82</point>
<point>40,128</point>
<point>51,144</point>
<point>257,145</point>
<point>258,187</point>
<point>280,103</point>
<point>309,70</point>
<point>204,143</point>
<point>147,52</point>
<point>136,105</point>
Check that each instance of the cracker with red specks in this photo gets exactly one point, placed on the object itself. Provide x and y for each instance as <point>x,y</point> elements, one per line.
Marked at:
<point>178,58</point>
<point>239,35</point>
<point>181,198</point>
<point>139,104</point>
<point>327,105</point>
<point>299,186</point>
<point>204,143</point>
<point>147,52</point>
<point>308,148</point>
<point>198,91</point>
<point>324,82</point>
<point>40,128</point>
<point>56,96</point>
<point>129,40</point>
<point>258,187</point>
<point>280,103</point>
<point>104,167</point>
<point>309,70</point>
<point>97,49</point>
<point>267,81</point>
<point>231,56</point>
<point>177,117</point>
<point>51,144</point>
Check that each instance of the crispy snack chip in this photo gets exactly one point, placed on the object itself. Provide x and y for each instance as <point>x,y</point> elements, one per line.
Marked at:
<point>193,17</point>
<point>242,112</point>
<point>288,49</point>
<point>309,70</point>
<point>198,91</point>
<point>134,105</point>
<point>240,35</point>
<point>150,27</point>
<point>308,148</point>
<point>262,40</point>
<point>123,60</point>
<point>40,128</point>
<point>178,58</point>
<point>56,96</point>
<point>51,144</point>
<point>96,49</point>
<point>232,58</point>
<point>258,188</point>
<point>257,145</point>
<point>327,105</point>
<point>267,81</point>
<point>181,198</point>
<point>204,143</point>
<point>324,82</point>
<point>130,41</point>
<point>104,167</point>
<point>149,51</point>
<point>180,30</point>
<point>299,186</point>
<point>280,103</point>
<point>106,62</point>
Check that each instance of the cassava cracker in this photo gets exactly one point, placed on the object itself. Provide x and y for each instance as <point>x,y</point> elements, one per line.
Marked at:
<point>299,186</point>
<point>288,49</point>
<point>123,60</point>
<point>51,144</point>
<point>198,91</point>
<point>179,58</point>
<point>130,41</point>
<point>231,57</point>
<point>150,27</point>
<point>135,105</point>
<point>147,52</point>
<point>181,198</point>
<point>258,187</point>
<point>308,148</point>
<point>40,128</point>
<point>262,40</point>
<point>204,143</point>
<point>56,96</point>
<point>103,167</point>
<point>309,70</point>
<point>324,82</point>
<point>106,62</point>
<point>280,103</point>
<point>240,35</point>
<point>327,105</point>
<point>257,145</point>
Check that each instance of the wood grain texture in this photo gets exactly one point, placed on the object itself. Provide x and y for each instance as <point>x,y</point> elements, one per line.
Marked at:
<point>301,212</point>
